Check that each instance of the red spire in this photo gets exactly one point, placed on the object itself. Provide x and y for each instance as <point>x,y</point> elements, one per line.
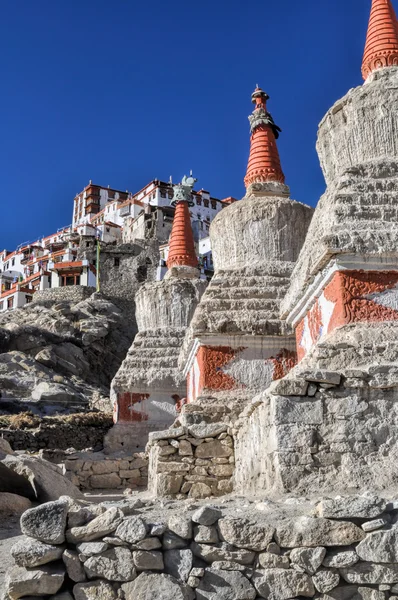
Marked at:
<point>264,162</point>
<point>381,49</point>
<point>182,248</point>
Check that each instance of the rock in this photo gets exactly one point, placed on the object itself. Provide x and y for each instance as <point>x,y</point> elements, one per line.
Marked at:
<point>168,434</point>
<point>148,560</point>
<point>366,572</point>
<point>185,448</point>
<point>352,507</point>
<point>225,585</point>
<point>353,592</point>
<point>325,580</point>
<point>226,565</point>
<point>171,541</point>
<point>246,534</point>
<point>152,543</point>
<point>12,483</point>
<point>94,590</point>
<point>181,526</point>
<point>168,485</point>
<point>380,546</point>
<point>329,377</point>
<point>12,504</point>
<point>202,431</point>
<point>106,481</point>
<point>114,565</point>
<point>309,559</point>
<point>132,530</point>
<point>340,558</point>
<point>281,584</point>
<point>288,387</point>
<point>97,528</point>
<point>5,448</point>
<point>308,531</point>
<point>206,535</point>
<point>214,449</point>
<point>128,506</point>
<point>375,524</point>
<point>32,553</point>
<point>152,586</point>
<point>178,563</point>
<point>46,523</point>
<point>20,582</point>
<point>92,548</point>
<point>74,567</point>
<point>46,479</point>
<point>206,515</point>
<point>267,560</point>
<point>223,552</point>
<point>200,490</point>
<point>61,596</point>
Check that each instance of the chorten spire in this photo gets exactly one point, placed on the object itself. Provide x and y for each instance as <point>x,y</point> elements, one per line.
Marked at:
<point>381,49</point>
<point>182,247</point>
<point>264,162</point>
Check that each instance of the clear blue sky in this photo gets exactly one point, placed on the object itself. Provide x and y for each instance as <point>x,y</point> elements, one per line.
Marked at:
<point>125,91</point>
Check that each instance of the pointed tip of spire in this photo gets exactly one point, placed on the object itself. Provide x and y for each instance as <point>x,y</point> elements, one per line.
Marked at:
<point>381,48</point>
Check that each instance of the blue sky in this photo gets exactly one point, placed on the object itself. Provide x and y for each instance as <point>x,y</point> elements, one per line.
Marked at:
<point>122,92</point>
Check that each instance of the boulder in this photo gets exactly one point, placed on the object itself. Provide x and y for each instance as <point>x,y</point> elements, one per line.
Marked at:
<point>74,567</point>
<point>5,448</point>
<point>281,584</point>
<point>204,430</point>
<point>243,533</point>
<point>12,504</point>
<point>32,553</point>
<point>102,525</point>
<point>171,541</point>
<point>149,586</point>
<point>353,592</point>
<point>94,590</point>
<point>12,483</point>
<point>148,560</point>
<point>43,581</point>
<point>326,580</point>
<point>206,535</point>
<point>206,515</point>
<point>309,559</point>
<point>222,552</point>
<point>132,530</point>
<point>178,563</point>
<point>92,548</point>
<point>311,532</point>
<point>370,573</point>
<point>380,547</point>
<point>46,479</point>
<point>181,526</point>
<point>340,558</point>
<point>225,585</point>
<point>268,560</point>
<point>114,565</point>
<point>352,507</point>
<point>46,523</point>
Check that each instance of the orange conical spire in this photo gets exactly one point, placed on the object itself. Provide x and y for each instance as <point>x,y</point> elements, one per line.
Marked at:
<point>182,247</point>
<point>381,49</point>
<point>264,162</point>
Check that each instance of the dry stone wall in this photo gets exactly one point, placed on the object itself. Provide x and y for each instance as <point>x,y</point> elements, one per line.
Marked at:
<point>333,549</point>
<point>91,471</point>
<point>195,461</point>
<point>73,293</point>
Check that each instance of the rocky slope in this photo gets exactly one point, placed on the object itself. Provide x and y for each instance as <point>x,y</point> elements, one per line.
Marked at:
<point>61,357</point>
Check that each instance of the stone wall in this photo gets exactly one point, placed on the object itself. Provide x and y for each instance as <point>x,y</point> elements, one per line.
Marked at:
<point>90,471</point>
<point>195,461</point>
<point>60,436</point>
<point>70,293</point>
<point>334,549</point>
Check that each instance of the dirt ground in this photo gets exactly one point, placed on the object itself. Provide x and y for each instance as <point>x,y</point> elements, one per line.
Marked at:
<point>9,534</point>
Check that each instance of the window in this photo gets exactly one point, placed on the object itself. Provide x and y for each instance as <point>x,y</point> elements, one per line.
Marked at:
<point>107,230</point>
<point>13,262</point>
<point>28,299</point>
<point>87,244</point>
<point>163,194</point>
<point>10,302</point>
<point>206,203</point>
<point>214,204</point>
<point>198,201</point>
<point>117,261</point>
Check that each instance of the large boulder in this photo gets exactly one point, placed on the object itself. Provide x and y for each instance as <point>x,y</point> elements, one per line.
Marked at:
<point>32,553</point>
<point>42,581</point>
<point>13,483</point>
<point>46,479</point>
<point>149,586</point>
<point>46,523</point>
<point>12,504</point>
<point>225,585</point>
